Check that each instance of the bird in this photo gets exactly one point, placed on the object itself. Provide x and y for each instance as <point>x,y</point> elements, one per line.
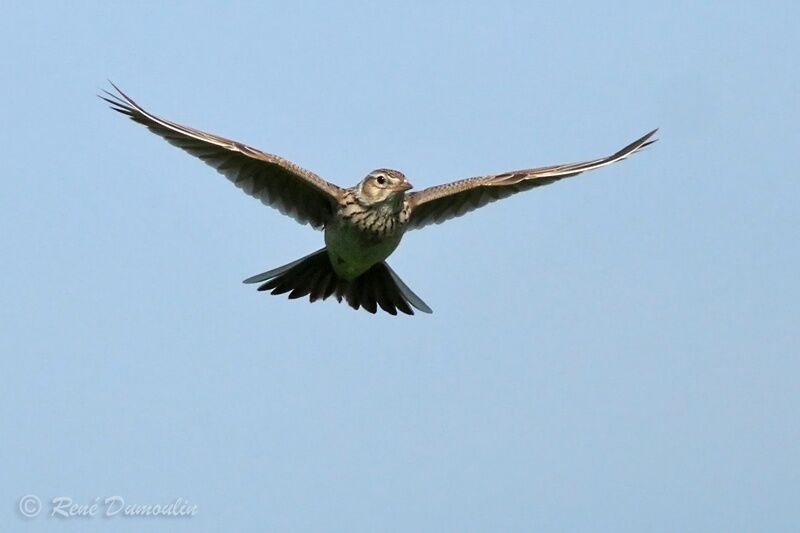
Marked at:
<point>362,224</point>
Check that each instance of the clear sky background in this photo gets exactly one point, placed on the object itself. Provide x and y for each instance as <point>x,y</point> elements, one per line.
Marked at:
<point>615,352</point>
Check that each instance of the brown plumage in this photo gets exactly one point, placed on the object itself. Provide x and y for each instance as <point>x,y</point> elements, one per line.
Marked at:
<point>436,204</point>
<point>363,224</point>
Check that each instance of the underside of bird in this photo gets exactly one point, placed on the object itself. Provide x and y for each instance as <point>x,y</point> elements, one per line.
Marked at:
<point>364,223</point>
<point>314,276</point>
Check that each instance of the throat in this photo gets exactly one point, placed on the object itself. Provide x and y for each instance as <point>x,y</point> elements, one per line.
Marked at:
<point>376,221</point>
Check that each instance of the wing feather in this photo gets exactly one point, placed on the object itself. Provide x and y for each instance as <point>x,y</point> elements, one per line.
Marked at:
<point>277,182</point>
<point>436,204</point>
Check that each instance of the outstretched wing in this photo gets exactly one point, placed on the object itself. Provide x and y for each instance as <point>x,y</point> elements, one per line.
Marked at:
<point>442,202</point>
<point>278,183</point>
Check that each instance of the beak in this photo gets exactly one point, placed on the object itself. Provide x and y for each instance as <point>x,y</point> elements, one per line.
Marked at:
<point>404,186</point>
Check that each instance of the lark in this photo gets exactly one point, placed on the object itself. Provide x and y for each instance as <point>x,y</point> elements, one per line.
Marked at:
<point>363,224</point>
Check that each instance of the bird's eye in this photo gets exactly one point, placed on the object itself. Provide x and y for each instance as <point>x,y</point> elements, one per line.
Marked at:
<point>381,180</point>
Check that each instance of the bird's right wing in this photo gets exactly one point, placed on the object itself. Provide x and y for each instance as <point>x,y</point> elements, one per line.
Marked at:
<point>436,204</point>
<point>278,183</point>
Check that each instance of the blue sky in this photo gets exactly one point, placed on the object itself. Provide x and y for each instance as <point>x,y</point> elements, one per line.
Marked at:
<point>614,352</point>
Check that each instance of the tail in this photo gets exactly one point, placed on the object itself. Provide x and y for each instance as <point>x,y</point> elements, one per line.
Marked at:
<point>313,275</point>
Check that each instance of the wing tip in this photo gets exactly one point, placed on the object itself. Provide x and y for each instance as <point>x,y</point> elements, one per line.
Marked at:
<point>646,140</point>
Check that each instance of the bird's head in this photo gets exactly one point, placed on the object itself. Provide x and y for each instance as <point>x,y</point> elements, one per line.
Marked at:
<point>383,184</point>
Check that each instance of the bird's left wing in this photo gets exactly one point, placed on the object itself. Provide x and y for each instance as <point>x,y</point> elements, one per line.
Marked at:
<point>436,204</point>
<point>278,183</point>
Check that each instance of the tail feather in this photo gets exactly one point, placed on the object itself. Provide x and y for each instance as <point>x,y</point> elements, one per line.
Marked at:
<point>313,276</point>
<point>264,276</point>
<point>325,286</point>
<point>385,301</point>
<point>366,294</point>
<point>306,285</point>
<point>407,293</point>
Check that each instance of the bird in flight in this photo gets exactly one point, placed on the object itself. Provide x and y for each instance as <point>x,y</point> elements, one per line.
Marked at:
<point>363,224</point>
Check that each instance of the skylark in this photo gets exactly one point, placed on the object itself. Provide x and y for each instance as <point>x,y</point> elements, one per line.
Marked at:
<point>363,224</point>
